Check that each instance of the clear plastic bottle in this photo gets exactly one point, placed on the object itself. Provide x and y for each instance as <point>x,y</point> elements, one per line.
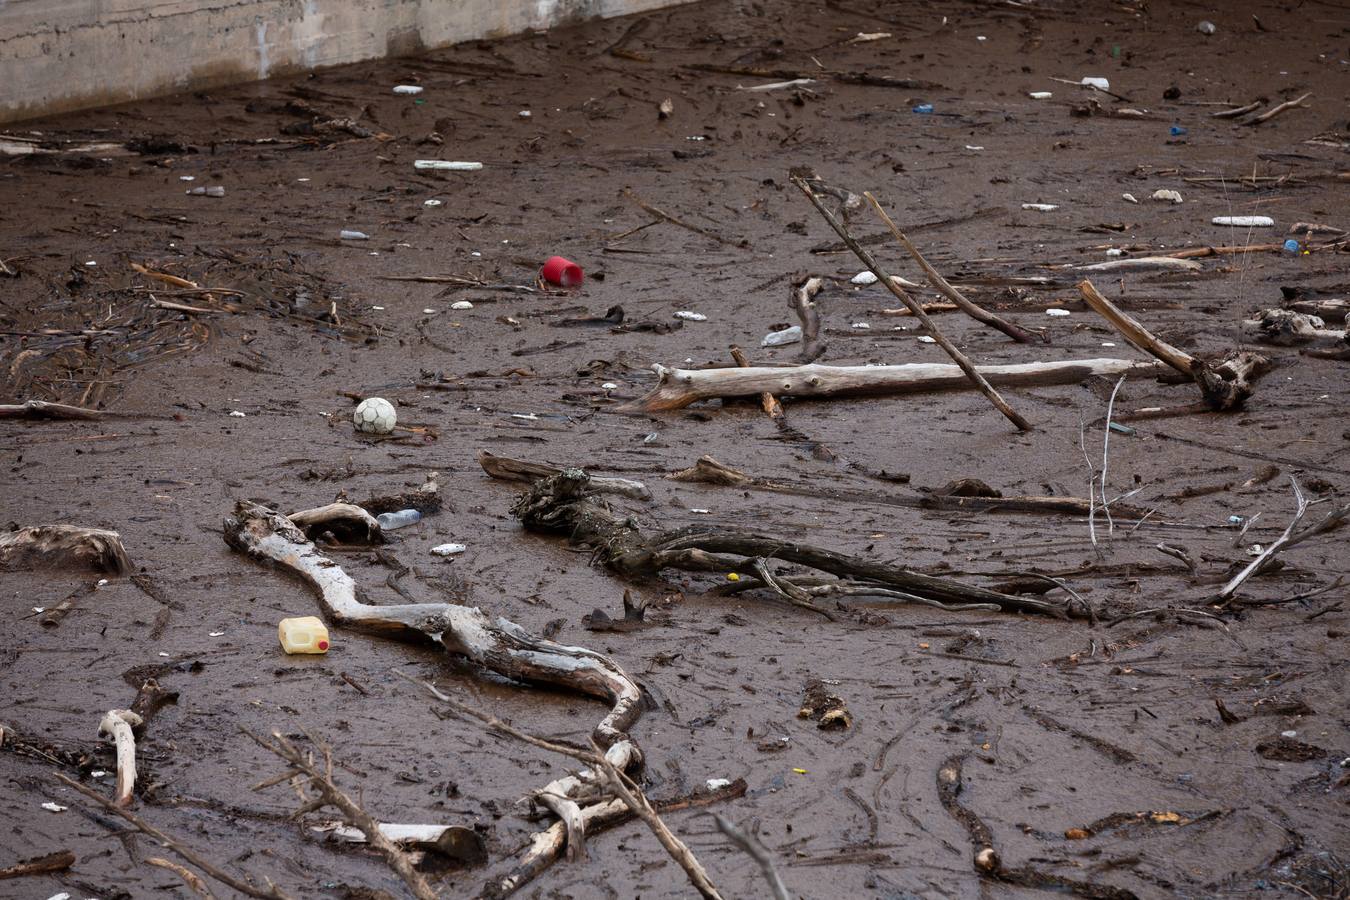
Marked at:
<point>390,521</point>
<point>214,190</point>
<point>348,234</point>
<point>304,634</point>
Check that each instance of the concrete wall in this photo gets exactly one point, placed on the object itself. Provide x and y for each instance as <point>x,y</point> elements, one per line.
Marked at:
<point>58,55</point>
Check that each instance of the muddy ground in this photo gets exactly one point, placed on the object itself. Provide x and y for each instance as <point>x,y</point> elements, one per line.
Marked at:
<point>1063,724</point>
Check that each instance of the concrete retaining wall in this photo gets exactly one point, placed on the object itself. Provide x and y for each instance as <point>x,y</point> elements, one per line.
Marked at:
<point>59,55</point>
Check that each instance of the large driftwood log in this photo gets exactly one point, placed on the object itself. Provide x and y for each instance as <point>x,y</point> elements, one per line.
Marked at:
<point>563,504</point>
<point>681,387</point>
<point>64,546</point>
<point>497,644</point>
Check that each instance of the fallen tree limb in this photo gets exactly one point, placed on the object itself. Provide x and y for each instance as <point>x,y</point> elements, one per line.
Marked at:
<point>346,520</point>
<point>962,361</point>
<point>117,724</point>
<point>976,312</point>
<point>804,304</point>
<point>680,387</point>
<point>272,893</point>
<point>507,469</point>
<point>39,865</point>
<point>561,504</point>
<point>496,644</point>
<point>41,409</point>
<point>65,546</point>
<point>1224,387</point>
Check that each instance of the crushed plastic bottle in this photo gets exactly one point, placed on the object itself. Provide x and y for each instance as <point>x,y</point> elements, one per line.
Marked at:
<point>349,235</point>
<point>303,634</point>
<point>214,190</point>
<point>924,109</point>
<point>390,521</point>
<point>446,165</point>
<point>1206,27</point>
<point>1291,246</point>
<point>779,338</point>
<point>408,89</point>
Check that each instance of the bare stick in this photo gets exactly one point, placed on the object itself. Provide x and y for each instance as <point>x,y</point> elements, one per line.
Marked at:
<point>117,724</point>
<point>190,878</point>
<point>975,311</point>
<point>331,795</point>
<point>41,409</point>
<point>1300,510</point>
<point>772,407</point>
<point>1106,456</point>
<point>1275,111</point>
<point>757,852</point>
<point>678,388</point>
<point>960,358</point>
<point>662,214</point>
<point>272,893</point>
<point>1240,111</point>
<point>40,865</point>
<point>1136,334</point>
<point>804,304</point>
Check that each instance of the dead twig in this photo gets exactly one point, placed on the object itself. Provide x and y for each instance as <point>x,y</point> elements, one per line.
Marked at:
<point>1291,537</point>
<point>757,852</point>
<point>1240,111</point>
<point>667,217</point>
<point>41,409</point>
<point>190,878</point>
<point>40,865</point>
<point>975,311</point>
<point>1282,108</point>
<point>772,408</point>
<point>272,893</point>
<point>329,794</point>
<point>960,358</point>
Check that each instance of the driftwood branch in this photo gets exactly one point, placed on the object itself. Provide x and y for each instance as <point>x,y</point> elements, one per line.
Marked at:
<point>190,878</point>
<point>117,724</point>
<point>678,388</point>
<point>772,408</point>
<point>756,852</point>
<point>344,519</point>
<point>1277,110</point>
<point>562,504</point>
<point>803,303</point>
<point>41,409</point>
<point>39,865</point>
<point>271,893</point>
<point>329,794</point>
<point>505,468</point>
<point>975,311</point>
<point>1223,387</point>
<point>868,260</point>
<point>64,546</point>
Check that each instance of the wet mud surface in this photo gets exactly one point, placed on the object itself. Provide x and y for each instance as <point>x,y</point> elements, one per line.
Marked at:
<point>1092,752</point>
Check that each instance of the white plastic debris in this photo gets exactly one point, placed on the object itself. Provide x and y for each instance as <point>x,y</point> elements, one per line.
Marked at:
<point>214,190</point>
<point>524,113</point>
<point>1289,734</point>
<point>446,165</point>
<point>609,386</point>
<point>777,85</point>
<point>1040,95</point>
<point>701,512</point>
<point>1040,207</point>
<point>779,338</point>
<point>1129,198</point>
<point>1206,27</point>
<point>348,234</point>
<point>39,609</point>
<point>102,582</point>
<point>1245,221</point>
<point>1115,251</point>
<point>428,311</point>
<point>973,147</point>
<point>925,339</point>
<point>187,177</point>
<point>1099,83</point>
<point>448,549</point>
<point>54,807</point>
<point>461,304</point>
<point>690,316</point>
<point>237,414</point>
<point>1169,196</point>
<point>215,634</point>
<point>862,326</point>
<point>1057,312</point>
<point>716,784</point>
<point>432,202</point>
<point>864,278</point>
<point>865,36</point>
<point>61,896</point>
<point>408,89</point>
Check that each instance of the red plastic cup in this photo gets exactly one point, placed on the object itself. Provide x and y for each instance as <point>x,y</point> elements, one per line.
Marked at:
<point>561,271</point>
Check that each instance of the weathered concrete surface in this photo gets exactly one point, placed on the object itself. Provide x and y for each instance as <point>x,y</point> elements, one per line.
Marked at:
<point>59,55</point>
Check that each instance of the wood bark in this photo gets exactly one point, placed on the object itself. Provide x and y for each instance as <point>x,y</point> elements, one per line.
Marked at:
<point>680,387</point>
<point>65,546</point>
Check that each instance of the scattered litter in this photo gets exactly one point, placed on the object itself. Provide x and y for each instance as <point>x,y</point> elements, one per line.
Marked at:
<point>1100,84</point>
<point>1291,246</point>
<point>865,277</point>
<point>1040,95</point>
<point>800,771</point>
<point>701,512</point>
<point>1169,196</point>
<point>689,316</point>
<point>1057,312</point>
<point>524,114</point>
<point>865,36</point>
<point>214,190</point>
<point>1176,131</point>
<point>1129,197</point>
<point>236,414</point>
<point>1115,251</point>
<point>1206,27</point>
<point>54,807</point>
<point>1108,343</point>
<point>432,202</point>
<point>925,339</point>
<point>972,147</point>
<point>61,896</point>
<point>401,519</point>
<point>697,137</point>
<point>779,338</point>
<point>303,634</point>
<point>1040,207</point>
<point>409,89</point>
<point>562,271</point>
<point>39,609</point>
<point>924,109</point>
<point>1244,221</point>
<point>1290,733</point>
<point>187,177</point>
<point>716,784</point>
<point>428,311</point>
<point>348,235</point>
<point>374,415</point>
<point>860,325</point>
<point>446,165</point>
<point>215,634</point>
<point>609,386</point>
<point>98,773</point>
<point>665,109</point>
<point>461,304</point>
<point>448,549</point>
<point>733,576</point>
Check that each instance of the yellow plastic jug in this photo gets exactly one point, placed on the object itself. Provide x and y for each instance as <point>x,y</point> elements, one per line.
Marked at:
<point>304,634</point>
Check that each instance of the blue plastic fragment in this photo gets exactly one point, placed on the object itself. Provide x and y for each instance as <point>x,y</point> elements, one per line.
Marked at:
<point>1177,130</point>
<point>1291,246</point>
<point>924,109</point>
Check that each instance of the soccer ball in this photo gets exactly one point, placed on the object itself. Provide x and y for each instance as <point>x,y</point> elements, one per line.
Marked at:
<point>374,415</point>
